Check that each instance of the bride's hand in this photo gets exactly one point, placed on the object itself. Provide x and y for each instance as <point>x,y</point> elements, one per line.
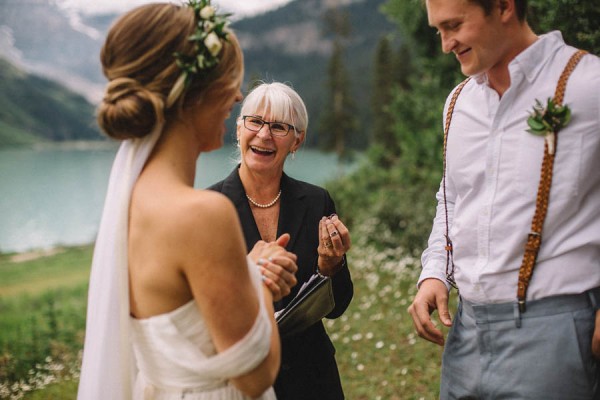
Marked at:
<point>277,266</point>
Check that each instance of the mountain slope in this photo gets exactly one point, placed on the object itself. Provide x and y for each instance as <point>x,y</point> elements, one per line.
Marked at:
<point>52,43</point>
<point>34,108</point>
<point>290,44</point>
<point>287,44</point>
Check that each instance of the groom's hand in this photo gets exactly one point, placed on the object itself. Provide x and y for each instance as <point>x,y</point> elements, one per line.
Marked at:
<point>432,295</point>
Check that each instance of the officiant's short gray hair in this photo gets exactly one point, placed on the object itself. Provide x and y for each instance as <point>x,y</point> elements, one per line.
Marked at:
<point>278,101</point>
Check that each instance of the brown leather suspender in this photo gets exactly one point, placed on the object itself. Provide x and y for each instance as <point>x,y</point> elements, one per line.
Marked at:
<point>449,248</point>
<point>534,239</point>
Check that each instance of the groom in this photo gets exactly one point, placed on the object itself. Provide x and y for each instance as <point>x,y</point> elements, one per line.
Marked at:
<point>544,345</point>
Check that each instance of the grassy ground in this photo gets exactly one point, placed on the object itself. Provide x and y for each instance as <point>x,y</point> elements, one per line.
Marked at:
<point>42,314</point>
<point>37,272</point>
<point>379,355</point>
<point>42,304</point>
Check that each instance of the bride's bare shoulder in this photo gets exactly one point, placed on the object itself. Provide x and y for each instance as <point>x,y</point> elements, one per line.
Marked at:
<point>206,204</point>
<point>204,212</point>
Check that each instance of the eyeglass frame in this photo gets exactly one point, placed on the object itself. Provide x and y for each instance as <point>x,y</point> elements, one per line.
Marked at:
<point>268,123</point>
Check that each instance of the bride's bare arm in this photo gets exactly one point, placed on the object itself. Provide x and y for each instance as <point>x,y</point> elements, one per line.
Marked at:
<point>214,263</point>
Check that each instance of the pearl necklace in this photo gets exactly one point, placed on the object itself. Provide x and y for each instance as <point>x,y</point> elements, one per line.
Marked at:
<point>271,204</point>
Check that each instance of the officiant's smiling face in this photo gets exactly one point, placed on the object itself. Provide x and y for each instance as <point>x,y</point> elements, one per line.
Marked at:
<point>271,125</point>
<point>262,150</point>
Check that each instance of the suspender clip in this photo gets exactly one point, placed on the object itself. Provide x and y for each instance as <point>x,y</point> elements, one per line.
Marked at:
<point>519,308</point>
<point>522,307</point>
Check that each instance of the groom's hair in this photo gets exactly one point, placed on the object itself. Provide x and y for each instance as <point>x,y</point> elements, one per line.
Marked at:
<point>488,6</point>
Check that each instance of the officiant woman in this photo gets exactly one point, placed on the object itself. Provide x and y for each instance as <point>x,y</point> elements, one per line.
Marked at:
<point>270,128</point>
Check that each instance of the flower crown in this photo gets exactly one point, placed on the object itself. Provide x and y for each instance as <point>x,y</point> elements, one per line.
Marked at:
<point>211,29</point>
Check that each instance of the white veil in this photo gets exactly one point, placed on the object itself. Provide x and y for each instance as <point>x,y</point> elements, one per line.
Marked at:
<point>108,370</point>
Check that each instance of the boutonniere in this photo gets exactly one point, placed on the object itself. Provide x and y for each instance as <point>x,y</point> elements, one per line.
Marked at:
<point>547,121</point>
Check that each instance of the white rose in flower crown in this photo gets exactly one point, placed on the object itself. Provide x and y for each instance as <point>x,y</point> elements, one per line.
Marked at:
<point>213,44</point>
<point>207,12</point>
<point>209,26</point>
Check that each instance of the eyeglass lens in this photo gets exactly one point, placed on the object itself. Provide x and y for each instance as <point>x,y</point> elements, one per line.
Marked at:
<point>276,128</point>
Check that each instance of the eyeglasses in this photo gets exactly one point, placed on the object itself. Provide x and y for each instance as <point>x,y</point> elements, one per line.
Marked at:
<point>255,124</point>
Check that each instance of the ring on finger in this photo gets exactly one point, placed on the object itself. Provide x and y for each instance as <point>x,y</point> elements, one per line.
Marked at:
<point>333,234</point>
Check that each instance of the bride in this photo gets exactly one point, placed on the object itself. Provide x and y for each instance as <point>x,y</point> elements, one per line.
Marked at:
<point>175,308</point>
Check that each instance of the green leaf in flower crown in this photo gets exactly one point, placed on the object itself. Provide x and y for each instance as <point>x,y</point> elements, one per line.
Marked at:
<point>200,35</point>
<point>207,22</point>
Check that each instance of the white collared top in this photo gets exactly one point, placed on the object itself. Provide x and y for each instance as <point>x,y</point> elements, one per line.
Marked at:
<point>493,171</point>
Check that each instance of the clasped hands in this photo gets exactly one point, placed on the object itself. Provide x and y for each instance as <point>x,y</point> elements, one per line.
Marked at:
<point>277,265</point>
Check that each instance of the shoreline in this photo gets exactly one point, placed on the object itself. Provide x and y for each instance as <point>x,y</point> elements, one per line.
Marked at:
<point>34,254</point>
<point>99,144</point>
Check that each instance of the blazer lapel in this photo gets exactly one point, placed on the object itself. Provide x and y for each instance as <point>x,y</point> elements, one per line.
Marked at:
<point>292,211</point>
<point>233,188</point>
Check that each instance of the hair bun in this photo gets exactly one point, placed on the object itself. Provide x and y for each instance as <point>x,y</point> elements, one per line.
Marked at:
<point>129,110</point>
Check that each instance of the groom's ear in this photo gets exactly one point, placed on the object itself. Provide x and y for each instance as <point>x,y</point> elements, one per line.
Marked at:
<point>506,9</point>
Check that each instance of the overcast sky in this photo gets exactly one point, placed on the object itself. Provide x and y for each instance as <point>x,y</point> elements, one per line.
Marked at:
<point>238,7</point>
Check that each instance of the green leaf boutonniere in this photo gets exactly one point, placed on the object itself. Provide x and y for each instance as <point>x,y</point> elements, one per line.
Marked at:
<point>547,121</point>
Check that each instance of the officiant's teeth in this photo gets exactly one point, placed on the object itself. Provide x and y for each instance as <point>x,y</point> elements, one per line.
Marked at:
<point>262,150</point>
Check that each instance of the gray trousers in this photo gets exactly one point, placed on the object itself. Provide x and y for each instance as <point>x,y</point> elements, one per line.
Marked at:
<point>495,352</point>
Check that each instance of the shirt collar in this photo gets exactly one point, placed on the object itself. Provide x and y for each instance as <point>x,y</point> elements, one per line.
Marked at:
<point>531,60</point>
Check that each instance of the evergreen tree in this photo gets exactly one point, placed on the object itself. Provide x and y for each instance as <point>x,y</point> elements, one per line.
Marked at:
<point>339,121</point>
<point>578,21</point>
<point>392,74</point>
<point>403,67</point>
<point>382,124</point>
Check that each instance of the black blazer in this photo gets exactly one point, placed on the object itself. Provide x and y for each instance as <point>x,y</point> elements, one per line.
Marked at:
<point>308,367</point>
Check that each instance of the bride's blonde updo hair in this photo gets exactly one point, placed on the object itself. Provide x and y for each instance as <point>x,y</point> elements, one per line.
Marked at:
<point>138,60</point>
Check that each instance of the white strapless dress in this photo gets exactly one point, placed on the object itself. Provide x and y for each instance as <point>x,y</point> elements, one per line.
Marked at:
<point>176,357</point>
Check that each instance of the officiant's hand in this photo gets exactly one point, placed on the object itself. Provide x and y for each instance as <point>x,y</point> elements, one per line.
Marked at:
<point>277,265</point>
<point>333,244</point>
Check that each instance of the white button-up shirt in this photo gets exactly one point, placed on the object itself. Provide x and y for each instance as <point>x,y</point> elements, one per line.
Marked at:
<point>493,171</point>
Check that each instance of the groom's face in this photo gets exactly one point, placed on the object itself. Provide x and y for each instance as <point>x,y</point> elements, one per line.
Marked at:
<point>465,30</point>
